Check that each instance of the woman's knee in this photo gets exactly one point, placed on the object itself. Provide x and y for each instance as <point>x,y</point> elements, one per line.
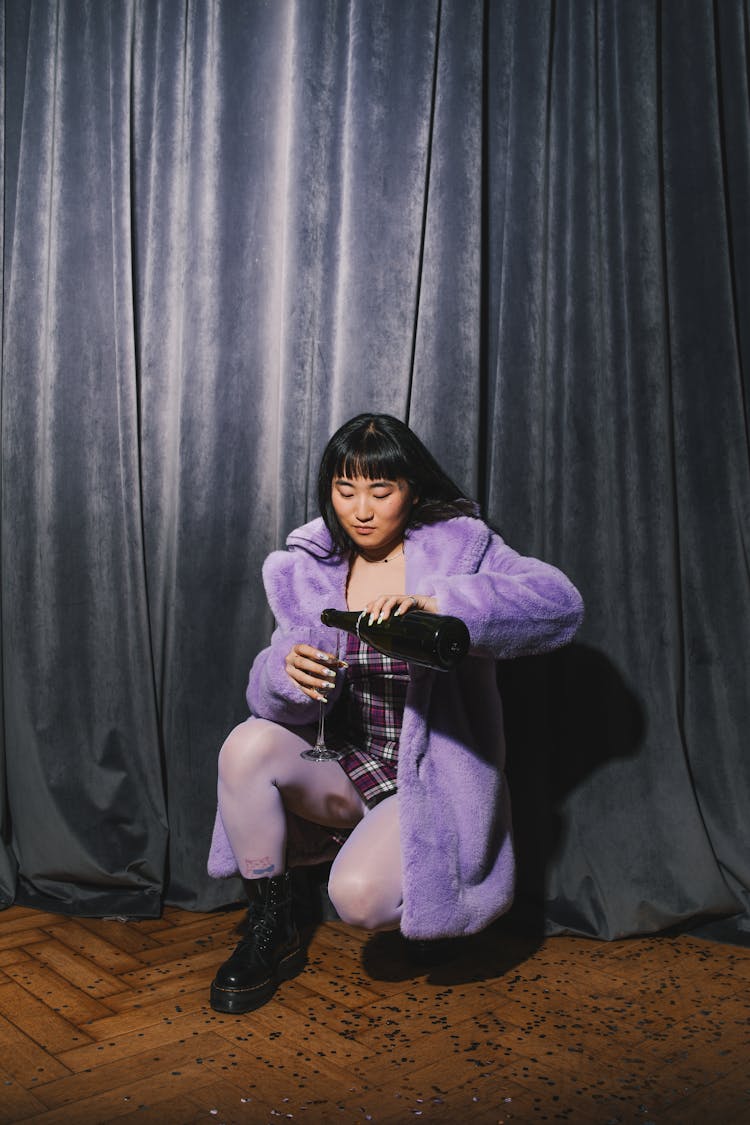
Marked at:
<point>363,901</point>
<point>248,751</point>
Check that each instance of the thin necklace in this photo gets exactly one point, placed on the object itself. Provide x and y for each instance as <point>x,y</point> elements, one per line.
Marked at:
<point>399,551</point>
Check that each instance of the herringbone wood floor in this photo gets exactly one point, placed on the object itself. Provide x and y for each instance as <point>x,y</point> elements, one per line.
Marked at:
<point>106,1020</point>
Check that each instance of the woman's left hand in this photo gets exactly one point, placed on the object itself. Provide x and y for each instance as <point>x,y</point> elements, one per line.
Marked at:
<point>381,608</point>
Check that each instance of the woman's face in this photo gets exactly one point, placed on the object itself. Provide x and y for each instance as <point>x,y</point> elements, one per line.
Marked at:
<point>373,513</point>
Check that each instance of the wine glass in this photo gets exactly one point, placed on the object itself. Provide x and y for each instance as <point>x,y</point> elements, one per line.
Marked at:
<point>320,752</point>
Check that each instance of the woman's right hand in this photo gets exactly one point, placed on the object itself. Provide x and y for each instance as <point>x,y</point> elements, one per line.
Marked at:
<point>313,671</point>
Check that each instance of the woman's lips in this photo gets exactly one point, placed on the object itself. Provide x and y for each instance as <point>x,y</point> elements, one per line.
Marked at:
<point>364,530</point>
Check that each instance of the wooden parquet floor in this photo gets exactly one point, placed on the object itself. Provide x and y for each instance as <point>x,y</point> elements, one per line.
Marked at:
<point>104,1020</point>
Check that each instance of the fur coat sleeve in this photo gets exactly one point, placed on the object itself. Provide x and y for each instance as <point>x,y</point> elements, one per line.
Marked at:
<point>456,839</point>
<point>300,583</point>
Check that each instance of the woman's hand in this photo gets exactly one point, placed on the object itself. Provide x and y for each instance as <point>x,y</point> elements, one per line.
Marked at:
<point>313,671</point>
<point>381,608</point>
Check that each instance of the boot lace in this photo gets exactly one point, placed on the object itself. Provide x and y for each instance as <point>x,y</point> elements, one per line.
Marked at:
<point>262,930</point>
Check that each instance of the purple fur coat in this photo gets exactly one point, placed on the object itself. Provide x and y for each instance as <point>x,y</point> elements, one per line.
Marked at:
<point>456,840</point>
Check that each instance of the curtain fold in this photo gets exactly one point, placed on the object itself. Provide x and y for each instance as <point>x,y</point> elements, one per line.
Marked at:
<point>83,772</point>
<point>620,809</point>
<point>520,225</point>
<point>8,864</point>
<point>712,498</point>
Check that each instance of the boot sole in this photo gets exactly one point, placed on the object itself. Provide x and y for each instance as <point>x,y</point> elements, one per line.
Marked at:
<point>235,1001</point>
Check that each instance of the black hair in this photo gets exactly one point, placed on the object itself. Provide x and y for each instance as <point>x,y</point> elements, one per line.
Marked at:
<point>381,447</point>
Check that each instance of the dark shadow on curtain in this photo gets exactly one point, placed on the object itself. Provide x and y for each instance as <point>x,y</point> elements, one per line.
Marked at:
<point>567,716</point>
<point>575,732</point>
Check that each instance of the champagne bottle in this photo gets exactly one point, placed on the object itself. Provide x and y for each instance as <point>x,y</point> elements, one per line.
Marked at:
<point>420,638</point>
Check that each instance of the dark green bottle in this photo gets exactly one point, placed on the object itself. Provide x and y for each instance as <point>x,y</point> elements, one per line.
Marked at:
<point>418,637</point>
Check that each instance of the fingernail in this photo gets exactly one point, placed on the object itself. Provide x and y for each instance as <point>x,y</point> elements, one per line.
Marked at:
<point>323,656</point>
<point>371,619</point>
<point>330,672</point>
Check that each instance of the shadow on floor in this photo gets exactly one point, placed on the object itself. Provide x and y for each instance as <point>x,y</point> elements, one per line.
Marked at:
<point>490,955</point>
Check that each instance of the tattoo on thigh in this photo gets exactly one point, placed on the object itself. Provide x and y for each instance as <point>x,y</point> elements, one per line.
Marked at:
<point>257,866</point>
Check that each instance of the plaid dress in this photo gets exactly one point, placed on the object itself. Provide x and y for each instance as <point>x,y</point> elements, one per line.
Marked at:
<point>366,721</point>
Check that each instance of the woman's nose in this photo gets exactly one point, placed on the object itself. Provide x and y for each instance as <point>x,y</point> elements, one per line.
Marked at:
<point>364,509</point>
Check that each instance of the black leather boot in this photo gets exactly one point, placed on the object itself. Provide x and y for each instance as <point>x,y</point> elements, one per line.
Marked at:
<point>269,952</point>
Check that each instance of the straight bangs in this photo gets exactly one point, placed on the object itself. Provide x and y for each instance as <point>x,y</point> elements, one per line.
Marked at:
<point>378,460</point>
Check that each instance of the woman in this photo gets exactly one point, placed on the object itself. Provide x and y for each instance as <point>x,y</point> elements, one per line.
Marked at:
<point>418,806</point>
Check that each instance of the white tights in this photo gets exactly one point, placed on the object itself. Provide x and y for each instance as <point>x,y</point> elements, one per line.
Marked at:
<point>262,776</point>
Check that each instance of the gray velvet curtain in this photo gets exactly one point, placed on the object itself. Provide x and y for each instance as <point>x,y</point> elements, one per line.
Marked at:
<point>521,225</point>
